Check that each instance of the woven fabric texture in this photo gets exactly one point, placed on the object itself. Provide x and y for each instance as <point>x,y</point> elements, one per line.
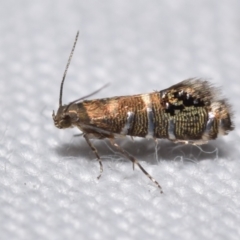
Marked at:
<point>48,178</point>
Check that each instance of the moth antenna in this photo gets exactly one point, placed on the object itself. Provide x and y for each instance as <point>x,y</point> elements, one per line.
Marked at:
<point>65,72</point>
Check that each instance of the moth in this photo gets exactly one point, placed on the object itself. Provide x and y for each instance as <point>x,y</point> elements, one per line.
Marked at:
<point>192,111</point>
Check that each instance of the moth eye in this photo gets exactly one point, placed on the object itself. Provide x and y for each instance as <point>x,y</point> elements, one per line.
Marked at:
<point>65,121</point>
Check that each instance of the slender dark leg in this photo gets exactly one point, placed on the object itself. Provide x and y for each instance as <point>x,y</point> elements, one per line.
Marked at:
<point>95,152</point>
<point>135,161</point>
<point>156,149</point>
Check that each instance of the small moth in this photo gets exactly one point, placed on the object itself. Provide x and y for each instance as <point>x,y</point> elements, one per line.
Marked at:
<point>192,111</point>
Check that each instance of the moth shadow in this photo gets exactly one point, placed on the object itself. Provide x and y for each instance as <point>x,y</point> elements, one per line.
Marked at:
<point>147,150</point>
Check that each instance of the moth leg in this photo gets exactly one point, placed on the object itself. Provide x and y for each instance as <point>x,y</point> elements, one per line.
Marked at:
<point>135,161</point>
<point>95,152</point>
<point>156,149</point>
<point>78,135</point>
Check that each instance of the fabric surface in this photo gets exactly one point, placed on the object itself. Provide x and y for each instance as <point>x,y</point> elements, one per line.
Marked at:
<point>48,178</point>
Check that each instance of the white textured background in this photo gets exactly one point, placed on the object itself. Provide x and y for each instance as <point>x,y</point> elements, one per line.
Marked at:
<point>48,185</point>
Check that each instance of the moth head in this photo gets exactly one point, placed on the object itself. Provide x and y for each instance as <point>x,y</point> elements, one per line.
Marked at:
<point>62,119</point>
